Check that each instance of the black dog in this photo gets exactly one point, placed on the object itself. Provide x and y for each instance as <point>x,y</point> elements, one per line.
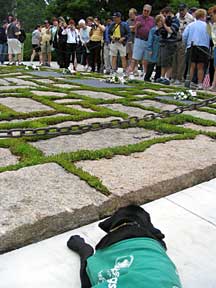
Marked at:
<point>132,254</point>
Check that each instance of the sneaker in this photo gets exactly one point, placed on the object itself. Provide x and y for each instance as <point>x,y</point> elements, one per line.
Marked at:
<point>172,81</point>
<point>193,85</point>
<point>200,86</point>
<point>165,82</point>
<point>20,64</point>
<point>177,82</point>
<point>11,63</point>
<point>159,80</point>
<point>212,88</point>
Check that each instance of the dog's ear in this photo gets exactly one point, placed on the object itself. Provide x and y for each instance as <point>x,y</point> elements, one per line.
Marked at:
<point>106,224</point>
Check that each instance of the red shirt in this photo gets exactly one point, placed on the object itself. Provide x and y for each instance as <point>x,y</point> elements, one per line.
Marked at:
<point>147,23</point>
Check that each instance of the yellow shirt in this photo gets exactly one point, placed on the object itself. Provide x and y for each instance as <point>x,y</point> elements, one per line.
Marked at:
<point>117,33</point>
<point>45,35</point>
<point>97,34</point>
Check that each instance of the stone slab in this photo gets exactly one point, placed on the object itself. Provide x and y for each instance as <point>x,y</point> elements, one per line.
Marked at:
<point>10,74</point>
<point>24,77</point>
<point>172,99</point>
<point>198,200</point>
<point>34,118</point>
<point>21,82</point>
<point>97,83</point>
<point>24,104</point>
<point>4,82</point>
<point>200,114</point>
<point>79,107</point>
<point>39,201</point>
<point>97,95</point>
<point>12,87</point>
<point>131,111</point>
<point>65,86</point>
<point>199,127</point>
<point>69,100</point>
<point>87,121</point>
<point>194,260</point>
<point>48,93</point>
<point>160,170</point>
<point>94,140</point>
<point>6,158</point>
<point>45,81</point>
<point>46,74</point>
<point>159,92</point>
<point>157,104</point>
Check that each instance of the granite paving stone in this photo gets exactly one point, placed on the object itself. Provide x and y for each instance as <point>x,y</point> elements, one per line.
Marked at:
<point>6,158</point>
<point>185,102</point>
<point>65,86</point>
<point>87,121</point>
<point>24,77</point>
<point>23,104</point>
<point>45,81</point>
<point>97,83</point>
<point>96,95</point>
<point>95,140</point>
<point>12,87</point>
<point>49,93</point>
<point>160,170</point>
<point>4,82</point>
<point>156,104</point>
<point>69,100</point>
<point>21,82</point>
<point>39,201</point>
<point>199,127</point>
<point>79,107</point>
<point>46,74</point>
<point>131,111</point>
<point>200,114</point>
<point>159,92</point>
<point>34,118</point>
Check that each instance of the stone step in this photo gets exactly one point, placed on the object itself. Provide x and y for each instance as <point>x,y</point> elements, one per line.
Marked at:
<point>181,217</point>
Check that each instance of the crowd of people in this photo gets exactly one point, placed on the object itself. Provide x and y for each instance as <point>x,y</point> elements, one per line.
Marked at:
<point>169,48</point>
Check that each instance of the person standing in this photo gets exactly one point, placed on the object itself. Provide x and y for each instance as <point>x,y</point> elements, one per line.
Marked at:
<point>46,44</point>
<point>179,61</point>
<point>36,49</point>
<point>130,42</point>
<point>84,38</point>
<point>168,40</point>
<point>72,41</point>
<point>106,48</point>
<point>143,25</point>
<point>96,37</point>
<point>119,33</point>
<point>14,45</point>
<point>212,32</point>
<point>21,38</point>
<point>3,42</point>
<point>197,41</point>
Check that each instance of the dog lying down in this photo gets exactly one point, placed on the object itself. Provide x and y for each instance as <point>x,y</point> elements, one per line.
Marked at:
<point>131,255</point>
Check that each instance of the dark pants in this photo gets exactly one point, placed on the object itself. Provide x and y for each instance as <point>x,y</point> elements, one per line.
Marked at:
<point>71,53</point>
<point>3,52</point>
<point>61,52</point>
<point>150,69</point>
<point>95,55</point>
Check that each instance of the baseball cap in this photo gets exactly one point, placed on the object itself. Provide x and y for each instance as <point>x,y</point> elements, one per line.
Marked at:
<point>116,14</point>
<point>182,6</point>
<point>46,22</point>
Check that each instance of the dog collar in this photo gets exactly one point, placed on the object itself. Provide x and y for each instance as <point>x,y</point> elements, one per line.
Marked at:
<point>125,224</point>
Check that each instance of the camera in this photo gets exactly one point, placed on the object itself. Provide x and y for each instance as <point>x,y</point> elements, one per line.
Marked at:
<point>168,21</point>
<point>208,19</point>
<point>94,25</point>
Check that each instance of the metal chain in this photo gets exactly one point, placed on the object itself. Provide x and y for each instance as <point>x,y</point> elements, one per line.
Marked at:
<point>80,129</point>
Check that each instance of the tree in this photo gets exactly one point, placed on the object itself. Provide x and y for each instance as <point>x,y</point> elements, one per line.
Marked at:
<point>7,7</point>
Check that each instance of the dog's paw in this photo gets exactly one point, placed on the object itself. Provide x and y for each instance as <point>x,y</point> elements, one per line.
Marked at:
<point>78,245</point>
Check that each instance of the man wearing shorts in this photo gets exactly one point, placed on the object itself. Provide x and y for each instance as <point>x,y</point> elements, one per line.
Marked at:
<point>143,24</point>
<point>119,32</point>
<point>14,45</point>
<point>36,37</point>
<point>46,43</point>
<point>197,41</point>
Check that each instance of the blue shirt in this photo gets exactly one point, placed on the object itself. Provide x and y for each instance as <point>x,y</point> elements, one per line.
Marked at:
<point>152,46</point>
<point>106,34</point>
<point>196,32</point>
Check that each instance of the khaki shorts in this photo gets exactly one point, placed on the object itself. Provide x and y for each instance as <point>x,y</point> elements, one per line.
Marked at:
<point>14,46</point>
<point>46,48</point>
<point>117,47</point>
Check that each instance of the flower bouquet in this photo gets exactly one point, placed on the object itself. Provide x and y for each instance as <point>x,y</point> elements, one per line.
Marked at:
<point>117,79</point>
<point>185,95</point>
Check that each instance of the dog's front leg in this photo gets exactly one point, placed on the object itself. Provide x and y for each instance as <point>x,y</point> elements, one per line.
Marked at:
<point>78,245</point>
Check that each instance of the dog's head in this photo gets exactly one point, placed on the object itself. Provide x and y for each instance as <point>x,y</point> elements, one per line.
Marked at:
<point>128,214</point>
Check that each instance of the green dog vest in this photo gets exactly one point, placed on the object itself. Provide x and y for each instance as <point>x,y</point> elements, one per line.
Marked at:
<point>132,263</point>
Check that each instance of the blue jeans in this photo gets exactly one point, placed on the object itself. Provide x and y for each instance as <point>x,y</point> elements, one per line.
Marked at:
<point>3,52</point>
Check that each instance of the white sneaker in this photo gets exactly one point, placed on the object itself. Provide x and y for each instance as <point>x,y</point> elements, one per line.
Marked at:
<point>200,86</point>
<point>177,82</point>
